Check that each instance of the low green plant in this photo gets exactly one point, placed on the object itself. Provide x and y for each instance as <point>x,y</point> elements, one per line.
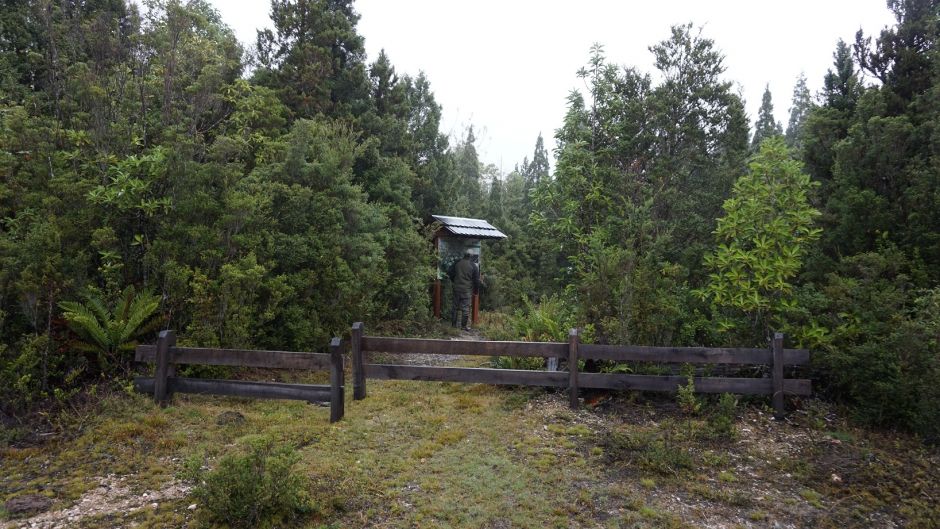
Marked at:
<point>544,322</point>
<point>721,420</point>
<point>191,470</point>
<point>685,398</point>
<point>666,458</point>
<point>259,488</point>
<point>687,401</point>
<point>518,362</point>
<point>649,451</point>
<point>812,497</point>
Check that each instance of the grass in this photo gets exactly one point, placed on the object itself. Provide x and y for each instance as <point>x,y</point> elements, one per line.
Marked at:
<point>427,455</point>
<point>812,497</point>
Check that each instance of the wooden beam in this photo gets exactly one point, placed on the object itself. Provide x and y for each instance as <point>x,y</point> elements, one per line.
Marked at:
<point>573,368</point>
<point>380,344</point>
<point>237,357</point>
<point>161,389</point>
<point>515,377</point>
<point>560,379</point>
<point>691,355</point>
<point>777,374</point>
<point>337,392</point>
<point>359,374</point>
<point>742,386</point>
<point>237,388</point>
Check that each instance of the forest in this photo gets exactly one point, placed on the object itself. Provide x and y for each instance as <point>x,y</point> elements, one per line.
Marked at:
<point>157,174</point>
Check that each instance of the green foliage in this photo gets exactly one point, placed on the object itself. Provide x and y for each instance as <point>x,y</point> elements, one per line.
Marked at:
<point>722,416</point>
<point>685,396</point>
<point>641,173</point>
<point>882,353</point>
<point>872,279</point>
<point>110,331</point>
<point>762,241</point>
<point>135,154</point>
<point>548,321</point>
<point>260,488</point>
<point>656,453</point>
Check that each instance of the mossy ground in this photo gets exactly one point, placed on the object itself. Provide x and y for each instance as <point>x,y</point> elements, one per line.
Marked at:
<point>428,455</point>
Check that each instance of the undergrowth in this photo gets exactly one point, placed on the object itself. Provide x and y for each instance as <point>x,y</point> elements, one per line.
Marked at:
<point>258,488</point>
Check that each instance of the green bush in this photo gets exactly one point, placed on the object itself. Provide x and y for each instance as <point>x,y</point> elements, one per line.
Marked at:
<point>882,352</point>
<point>259,488</point>
<point>721,419</point>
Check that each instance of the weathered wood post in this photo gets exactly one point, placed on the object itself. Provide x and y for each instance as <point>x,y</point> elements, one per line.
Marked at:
<point>359,374</point>
<point>337,397</point>
<point>165,370</point>
<point>777,373</point>
<point>573,368</point>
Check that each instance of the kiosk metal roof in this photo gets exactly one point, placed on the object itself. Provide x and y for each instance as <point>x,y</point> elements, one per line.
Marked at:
<point>471,228</point>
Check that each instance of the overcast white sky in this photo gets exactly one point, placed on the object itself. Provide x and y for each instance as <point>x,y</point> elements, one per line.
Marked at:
<point>507,66</point>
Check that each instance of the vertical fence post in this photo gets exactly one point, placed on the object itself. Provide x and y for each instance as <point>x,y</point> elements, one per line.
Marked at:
<point>777,372</point>
<point>359,374</point>
<point>337,389</point>
<point>165,341</point>
<point>573,368</point>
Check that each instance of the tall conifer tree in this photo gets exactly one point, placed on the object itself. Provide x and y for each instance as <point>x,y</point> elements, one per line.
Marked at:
<point>800,108</point>
<point>765,126</point>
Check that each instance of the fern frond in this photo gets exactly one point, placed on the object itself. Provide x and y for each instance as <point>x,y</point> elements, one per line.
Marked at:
<point>98,308</point>
<point>84,323</point>
<point>140,310</point>
<point>125,303</point>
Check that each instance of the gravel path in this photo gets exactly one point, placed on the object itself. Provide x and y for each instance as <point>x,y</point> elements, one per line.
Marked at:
<point>433,359</point>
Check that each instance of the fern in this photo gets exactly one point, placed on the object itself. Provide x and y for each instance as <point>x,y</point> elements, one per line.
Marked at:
<point>107,332</point>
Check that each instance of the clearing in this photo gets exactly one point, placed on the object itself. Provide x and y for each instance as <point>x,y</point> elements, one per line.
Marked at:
<point>427,455</point>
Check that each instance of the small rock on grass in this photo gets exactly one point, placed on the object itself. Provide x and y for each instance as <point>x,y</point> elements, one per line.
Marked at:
<point>27,505</point>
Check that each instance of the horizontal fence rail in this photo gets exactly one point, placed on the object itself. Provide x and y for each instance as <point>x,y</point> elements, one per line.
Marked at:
<point>237,357</point>
<point>776,357</point>
<point>239,388</point>
<point>742,386</point>
<point>166,356</point>
<point>463,347</point>
<point>690,355</point>
<point>512,377</point>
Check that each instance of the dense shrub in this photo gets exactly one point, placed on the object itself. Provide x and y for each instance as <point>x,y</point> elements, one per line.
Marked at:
<point>259,488</point>
<point>882,353</point>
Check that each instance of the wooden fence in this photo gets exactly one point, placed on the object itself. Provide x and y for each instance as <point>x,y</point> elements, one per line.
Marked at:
<point>166,356</point>
<point>776,356</point>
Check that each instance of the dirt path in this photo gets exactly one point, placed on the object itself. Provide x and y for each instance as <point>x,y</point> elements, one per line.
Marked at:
<point>113,496</point>
<point>436,359</point>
